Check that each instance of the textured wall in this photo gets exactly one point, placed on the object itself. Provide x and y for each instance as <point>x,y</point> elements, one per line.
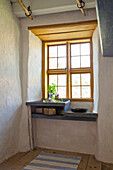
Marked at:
<point>34,68</point>
<point>82,135</point>
<point>95,40</point>
<point>74,136</point>
<point>66,17</point>
<point>104,138</point>
<point>10,90</point>
<point>104,150</point>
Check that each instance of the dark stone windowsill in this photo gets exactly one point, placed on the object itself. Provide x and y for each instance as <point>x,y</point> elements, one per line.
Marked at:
<point>68,115</point>
<point>74,116</point>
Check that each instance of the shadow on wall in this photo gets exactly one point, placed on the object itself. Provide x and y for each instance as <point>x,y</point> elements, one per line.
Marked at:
<point>34,68</point>
<point>9,133</point>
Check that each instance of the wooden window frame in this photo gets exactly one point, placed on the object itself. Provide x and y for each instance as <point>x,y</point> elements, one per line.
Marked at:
<point>46,71</point>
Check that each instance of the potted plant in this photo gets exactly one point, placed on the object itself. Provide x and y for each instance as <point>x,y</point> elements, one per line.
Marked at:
<point>51,90</point>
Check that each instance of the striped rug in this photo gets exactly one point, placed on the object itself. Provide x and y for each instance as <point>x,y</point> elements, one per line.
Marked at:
<point>48,161</point>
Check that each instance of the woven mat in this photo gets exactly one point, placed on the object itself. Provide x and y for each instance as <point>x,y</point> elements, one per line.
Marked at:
<point>48,161</point>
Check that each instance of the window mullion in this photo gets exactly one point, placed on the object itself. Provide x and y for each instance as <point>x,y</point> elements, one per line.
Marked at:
<point>57,57</point>
<point>68,69</point>
<point>80,87</point>
<point>47,71</point>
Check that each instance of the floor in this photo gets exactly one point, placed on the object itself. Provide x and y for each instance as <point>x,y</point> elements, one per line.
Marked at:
<point>20,160</point>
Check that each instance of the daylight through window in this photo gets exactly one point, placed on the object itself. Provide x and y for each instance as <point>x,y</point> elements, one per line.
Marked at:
<point>69,66</point>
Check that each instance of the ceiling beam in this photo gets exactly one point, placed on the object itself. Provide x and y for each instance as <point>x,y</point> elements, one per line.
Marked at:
<point>35,11</point>
<point>81,8</point>
<point>27,12</point>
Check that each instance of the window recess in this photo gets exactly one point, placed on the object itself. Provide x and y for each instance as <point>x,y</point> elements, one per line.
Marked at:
<point>71,35</point>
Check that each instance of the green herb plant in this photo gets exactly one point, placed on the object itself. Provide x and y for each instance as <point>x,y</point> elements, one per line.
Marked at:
<point>52,88</point>
<point>46,101</point>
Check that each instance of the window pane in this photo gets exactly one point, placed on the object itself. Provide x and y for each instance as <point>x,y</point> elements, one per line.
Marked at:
<point>61,50</point>
<point>75,79</point>
<point>61,80</point>
<point>62,92</point>
<point>61,62</point>
<point>52,51</point>
<point>85,49</point>
<point>85,61</point>
<point>75,92</point>
<point>85,79</point>
<point>86,92</point>
<point>75,49</point>
<point>52,63</point>
<point>53,79</point>
<point>75,62</point>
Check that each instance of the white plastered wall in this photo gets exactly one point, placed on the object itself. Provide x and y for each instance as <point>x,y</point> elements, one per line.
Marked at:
<point>10,86</point>
<point>34,68</point>
<point>104,150</point>
<point>66,17</point>
<point>103,100</point>
<point>10,89</point>
<point>95,40</point>
<point>72,136</point>
<point>66,135</point>
<point>31,80</point>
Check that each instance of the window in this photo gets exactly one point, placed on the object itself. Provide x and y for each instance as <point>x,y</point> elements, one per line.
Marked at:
<point>69,66</point>
<point>57,60</point>
<point>81,84</point>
